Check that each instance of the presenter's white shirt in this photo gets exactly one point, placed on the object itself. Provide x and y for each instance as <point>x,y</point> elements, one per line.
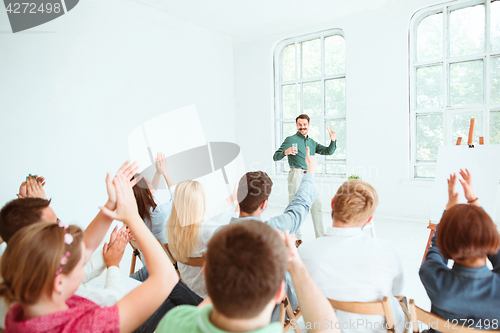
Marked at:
<point>349,265</point>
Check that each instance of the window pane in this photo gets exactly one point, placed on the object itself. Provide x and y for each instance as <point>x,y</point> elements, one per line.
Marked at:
<point>334,55</point>
<point>495,25</point>
<point>335,97</point>
<point>467,30</point>
<point>289,101</point>
<point>336,169</point>
<point>313,131</point>
<point>460,127</point>
<point>289,129</point>
<point>495,80</point>
<point>466,83</point>
<point>319,169</point>
<point>425,171</point>
<point>429,87</point>
<point>311,58</point>
<point>312,98</point>
<point>429,137</point>
<point>495,128</point>
<point>289,63</point>
<point>430,38</point>
<point>338,126</point>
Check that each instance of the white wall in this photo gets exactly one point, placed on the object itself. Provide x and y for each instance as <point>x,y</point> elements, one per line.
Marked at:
<point>72,89</point>
<point>377,108</point>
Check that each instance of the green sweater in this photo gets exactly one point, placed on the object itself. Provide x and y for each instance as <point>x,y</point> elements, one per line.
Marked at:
<point>299,161</point>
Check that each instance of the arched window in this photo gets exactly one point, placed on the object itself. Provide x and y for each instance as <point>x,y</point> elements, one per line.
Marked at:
<point>454,76</point>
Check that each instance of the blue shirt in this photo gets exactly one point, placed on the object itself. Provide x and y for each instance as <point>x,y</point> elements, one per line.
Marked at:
<point>460,292</point>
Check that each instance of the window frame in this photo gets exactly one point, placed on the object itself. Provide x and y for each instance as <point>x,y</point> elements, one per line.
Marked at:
<point>446,110</point>
<point>281,167</point>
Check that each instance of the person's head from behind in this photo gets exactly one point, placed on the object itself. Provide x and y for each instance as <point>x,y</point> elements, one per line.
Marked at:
<point>354,203</point>
<point>39,264</point>
<point>302,123</point>
<point>245,269</point>
<point>20,213</point>
<point>144,198</point>
<point>254,190</point>
<point>183,225</point>
<point>467,232</point>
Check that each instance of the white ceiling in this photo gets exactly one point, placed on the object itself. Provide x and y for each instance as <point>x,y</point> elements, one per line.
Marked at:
<point>244,18</point>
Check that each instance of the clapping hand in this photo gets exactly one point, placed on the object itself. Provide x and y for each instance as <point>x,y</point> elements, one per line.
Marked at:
<point>126,205</point>
<point>467,186</point>
<point>37,192</point>
<point>452,195</point>
<point>113,252</point>
<point>128,171</point>
<point>160,164</point>
<point>333,135</point>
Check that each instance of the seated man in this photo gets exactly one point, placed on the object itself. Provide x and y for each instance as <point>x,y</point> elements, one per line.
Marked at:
<point>349,265</point>
<point>244,270</point>
<point>255,188</point>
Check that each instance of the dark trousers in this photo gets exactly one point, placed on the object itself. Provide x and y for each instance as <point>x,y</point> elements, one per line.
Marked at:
<point>180,295</point>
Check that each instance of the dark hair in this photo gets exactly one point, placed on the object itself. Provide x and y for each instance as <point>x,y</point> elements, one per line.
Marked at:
<point>467,231</point>
<point>30,263</point>
<point>253,189</point>
<point>144,199</point>
<point>303,116</point>
<point>19,213</point>
<point>245,266</point>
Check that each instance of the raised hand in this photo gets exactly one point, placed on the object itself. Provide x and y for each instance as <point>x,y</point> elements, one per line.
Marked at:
<point>289,239</point>
<point>128,171</point>
<point>333,135</point>
<point>33,188</point>
<point>126,206</point>
<point>452,195</point>
<point>160,164</point>
<point>113,252</point>
<point>311,162</point>
<point>468,187</point>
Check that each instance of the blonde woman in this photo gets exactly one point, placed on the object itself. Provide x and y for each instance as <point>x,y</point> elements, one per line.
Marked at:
<point>188,232</point>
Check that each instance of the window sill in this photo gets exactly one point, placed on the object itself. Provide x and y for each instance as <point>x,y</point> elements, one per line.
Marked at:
<point>317,178</point>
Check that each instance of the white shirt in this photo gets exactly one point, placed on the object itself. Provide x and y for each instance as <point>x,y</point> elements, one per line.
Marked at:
<point>348,265</point>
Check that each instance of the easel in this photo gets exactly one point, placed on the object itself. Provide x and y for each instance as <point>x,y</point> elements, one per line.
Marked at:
<point>432,226</point>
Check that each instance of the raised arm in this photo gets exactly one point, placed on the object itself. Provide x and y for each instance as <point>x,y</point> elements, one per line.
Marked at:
<point>142,302</point>
<point>161,169</point>
<point>296,212</point>
<point>313,304</point>
<point>323,150</point>
<point>98,228</point>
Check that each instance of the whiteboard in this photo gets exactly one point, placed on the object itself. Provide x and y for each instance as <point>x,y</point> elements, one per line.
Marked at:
<point>483,162</point>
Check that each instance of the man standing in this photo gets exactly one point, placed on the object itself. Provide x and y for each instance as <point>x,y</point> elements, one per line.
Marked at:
<point>294,147</point>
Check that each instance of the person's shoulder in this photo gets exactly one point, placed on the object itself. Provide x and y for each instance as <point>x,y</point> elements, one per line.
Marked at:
<point>183,318</point>
<point>310,249</point>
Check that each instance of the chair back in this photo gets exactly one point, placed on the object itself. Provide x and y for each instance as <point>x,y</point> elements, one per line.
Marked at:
<point>440,324</point>
<point>286,308</point>
<point>135,253</point>
<point>381,308</point>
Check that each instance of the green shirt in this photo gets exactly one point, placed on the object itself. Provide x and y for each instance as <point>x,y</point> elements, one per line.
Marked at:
<point>191,319</point>
<point>299,161</point>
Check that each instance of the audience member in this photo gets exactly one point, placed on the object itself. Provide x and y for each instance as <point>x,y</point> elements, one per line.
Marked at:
<point>349,265</point>
<point>244,268</point>
<point>188,231</point>
<point>469,291</point>
<point>43,283</point>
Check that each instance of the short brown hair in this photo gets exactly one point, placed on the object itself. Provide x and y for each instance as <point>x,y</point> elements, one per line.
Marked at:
<point>467,231</point>
<point>303,116</point>
<point>20,213</point>
<point>29,265</point>
<point>355,201</point>
<point>245,266</point>
<point>253,189</point>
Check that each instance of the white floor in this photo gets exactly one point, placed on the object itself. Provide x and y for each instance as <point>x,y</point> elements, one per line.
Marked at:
<point>408,238</point>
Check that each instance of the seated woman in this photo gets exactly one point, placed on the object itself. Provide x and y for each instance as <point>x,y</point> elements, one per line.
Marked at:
<point>188,236</point>
<point>43,267</point>
<point>469,290</point>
